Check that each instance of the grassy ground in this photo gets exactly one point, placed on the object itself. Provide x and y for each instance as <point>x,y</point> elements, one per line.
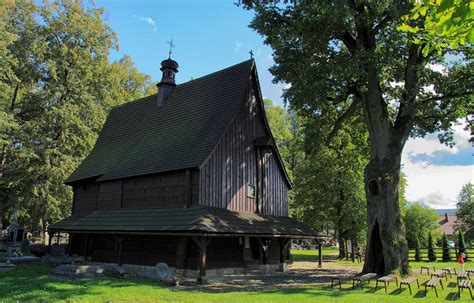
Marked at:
<point>32,283</point>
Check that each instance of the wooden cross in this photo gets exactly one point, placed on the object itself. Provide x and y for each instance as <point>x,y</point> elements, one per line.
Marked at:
<point>251,54</point>
<point>171,44</point>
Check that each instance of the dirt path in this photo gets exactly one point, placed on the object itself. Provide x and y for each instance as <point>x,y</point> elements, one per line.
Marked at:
<point>297,275</point>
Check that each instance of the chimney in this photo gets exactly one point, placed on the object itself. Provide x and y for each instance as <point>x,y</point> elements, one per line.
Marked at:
<point>169,68</point>
<point>446,216</point>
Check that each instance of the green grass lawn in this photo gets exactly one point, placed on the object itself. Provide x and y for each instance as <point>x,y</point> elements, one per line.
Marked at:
<point>33,283</point>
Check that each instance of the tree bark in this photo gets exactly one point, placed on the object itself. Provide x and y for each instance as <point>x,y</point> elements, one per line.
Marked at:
<point>387,249</point>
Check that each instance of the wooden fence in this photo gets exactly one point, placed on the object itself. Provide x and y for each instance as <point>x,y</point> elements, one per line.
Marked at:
<point>439,254</point>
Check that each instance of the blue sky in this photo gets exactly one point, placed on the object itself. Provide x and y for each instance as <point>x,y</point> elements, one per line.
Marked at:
<point>213,34</point>
<point>209,35</point>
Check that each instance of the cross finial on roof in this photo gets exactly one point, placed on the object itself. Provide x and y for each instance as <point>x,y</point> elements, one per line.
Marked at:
<point>251,54</point>
<point>171,44</point>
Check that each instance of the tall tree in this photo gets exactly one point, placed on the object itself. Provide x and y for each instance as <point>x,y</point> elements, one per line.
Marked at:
<point>465,210</point>
<point>348,54</point>
<point>419,221</point>
<point>60,86</point>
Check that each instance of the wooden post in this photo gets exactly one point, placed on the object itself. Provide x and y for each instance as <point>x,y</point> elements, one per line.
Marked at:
<point>264,244</point>
<point>86,246</point>
<point>202,243</point>
<point>320,255</point>
<point>283,252</point>
<point>119,240</point>
<point>352,251</point>
<point>69,245</point>
<point>50,238</point>
<point>58,237</point>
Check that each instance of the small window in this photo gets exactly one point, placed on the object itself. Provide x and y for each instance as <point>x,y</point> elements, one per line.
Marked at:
<point>251,190</point>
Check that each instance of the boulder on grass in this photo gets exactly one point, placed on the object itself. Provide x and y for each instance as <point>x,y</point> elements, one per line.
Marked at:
<point>163,272</point>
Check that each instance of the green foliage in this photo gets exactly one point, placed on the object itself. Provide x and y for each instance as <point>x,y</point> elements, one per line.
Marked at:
<point>58,86</point>
<point>465,210</point>
<point>431,253</point>
<point>417,249</point>
<point>420,220</point>
<point>446,248</point>
<point>438,24</point>
<point>461,243</point>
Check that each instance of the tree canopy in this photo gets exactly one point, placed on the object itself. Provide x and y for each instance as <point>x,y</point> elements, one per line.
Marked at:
<point>420,220</point>
<point>465,210</point>
<point>57,87</point>
<point>348,57</point>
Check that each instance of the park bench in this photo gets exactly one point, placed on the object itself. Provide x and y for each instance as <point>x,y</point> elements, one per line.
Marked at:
<point>427,268</point>
<point>360,279</point>
<point>409,281</point>
<point>339,279</point>
<point>470,270</point>
<point>463,275</point>
<point>439,274</point>
<point>465,284</point>
<point>433,282</point>
<point>386,281</point>
<point>450,270</point>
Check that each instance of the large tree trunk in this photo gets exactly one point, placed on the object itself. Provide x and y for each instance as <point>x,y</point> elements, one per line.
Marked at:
<point>387,249</point>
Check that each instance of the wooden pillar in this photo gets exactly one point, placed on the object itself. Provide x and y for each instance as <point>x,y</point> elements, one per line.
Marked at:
<point>320,255</point>
<point>119,240</point>
<point>352,251</point>
<point>181,250</point>
<point>86,245</point>
<point>283,252</point>
<point>69,245</point>
<point>58,237</point>
<point>50,238</point>
<point>264,244</point>
<point>202,243</point>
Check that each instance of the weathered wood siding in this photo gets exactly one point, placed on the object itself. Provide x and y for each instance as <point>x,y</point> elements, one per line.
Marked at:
<point>275,189</point>
<point>233,165</point>
<point>85,199</point>
<point>156,191</point>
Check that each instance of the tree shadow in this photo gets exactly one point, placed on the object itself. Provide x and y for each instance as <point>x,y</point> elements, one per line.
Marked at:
<point>420,294</point>
<point>452,296</point>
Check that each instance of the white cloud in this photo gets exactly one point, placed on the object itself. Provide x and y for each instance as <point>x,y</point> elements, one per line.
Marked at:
<point>436,185</point>
<point>270,58</point>
<point>238,46</point>
<point>147,20</point>
<point>437,68</point>
<point>258,53</point>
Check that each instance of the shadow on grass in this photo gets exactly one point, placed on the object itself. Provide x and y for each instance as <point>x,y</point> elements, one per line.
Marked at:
<point>420,294</point>
<point>452,296</point>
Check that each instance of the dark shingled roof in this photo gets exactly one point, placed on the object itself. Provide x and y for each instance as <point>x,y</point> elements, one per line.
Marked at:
<point>141,138</point>
<point>199,220</point>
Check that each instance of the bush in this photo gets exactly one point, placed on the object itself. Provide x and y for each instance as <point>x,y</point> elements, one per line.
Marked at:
<point>431,254</point>
<point>446,250</point>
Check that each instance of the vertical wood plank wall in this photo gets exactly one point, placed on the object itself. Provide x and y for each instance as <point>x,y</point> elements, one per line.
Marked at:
<point>233,165</point>
<point>85,199</point>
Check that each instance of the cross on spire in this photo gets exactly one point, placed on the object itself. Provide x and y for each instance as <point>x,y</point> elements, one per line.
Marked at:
<point>251,54</point>
<point>171,44</point>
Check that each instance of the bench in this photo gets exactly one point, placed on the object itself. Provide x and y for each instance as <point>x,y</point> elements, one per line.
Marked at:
<point>463,275</point>
<point>470,270</point>
<point>339,279</point>
<point>465,284</point>
<point>433,282</point>
<point>409,281</point>
<point>450,270</point>
<point>386,281</point>
<point>427,268</point>
<point>360,279</point>
<point>439,274</point>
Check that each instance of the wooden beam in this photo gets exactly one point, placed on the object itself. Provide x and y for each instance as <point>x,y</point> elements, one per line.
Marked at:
<point>69,245</point>
<point>58,236</point>
<point>320,255</point>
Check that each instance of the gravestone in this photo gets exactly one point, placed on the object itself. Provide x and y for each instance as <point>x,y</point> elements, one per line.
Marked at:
<point>163,271</point>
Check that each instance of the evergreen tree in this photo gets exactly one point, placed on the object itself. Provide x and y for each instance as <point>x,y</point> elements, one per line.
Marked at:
<point>446,249</point>
<point>431,253</point>
<point>417,249</point>
<point>462,244</point>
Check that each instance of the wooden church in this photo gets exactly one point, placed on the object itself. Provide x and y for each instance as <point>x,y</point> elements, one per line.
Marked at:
<point>190,176</point>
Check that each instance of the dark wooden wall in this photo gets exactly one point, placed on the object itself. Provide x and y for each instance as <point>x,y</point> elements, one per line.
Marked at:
<point>85,199</point>
<point>160,191</point>
<point>234,164</point>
